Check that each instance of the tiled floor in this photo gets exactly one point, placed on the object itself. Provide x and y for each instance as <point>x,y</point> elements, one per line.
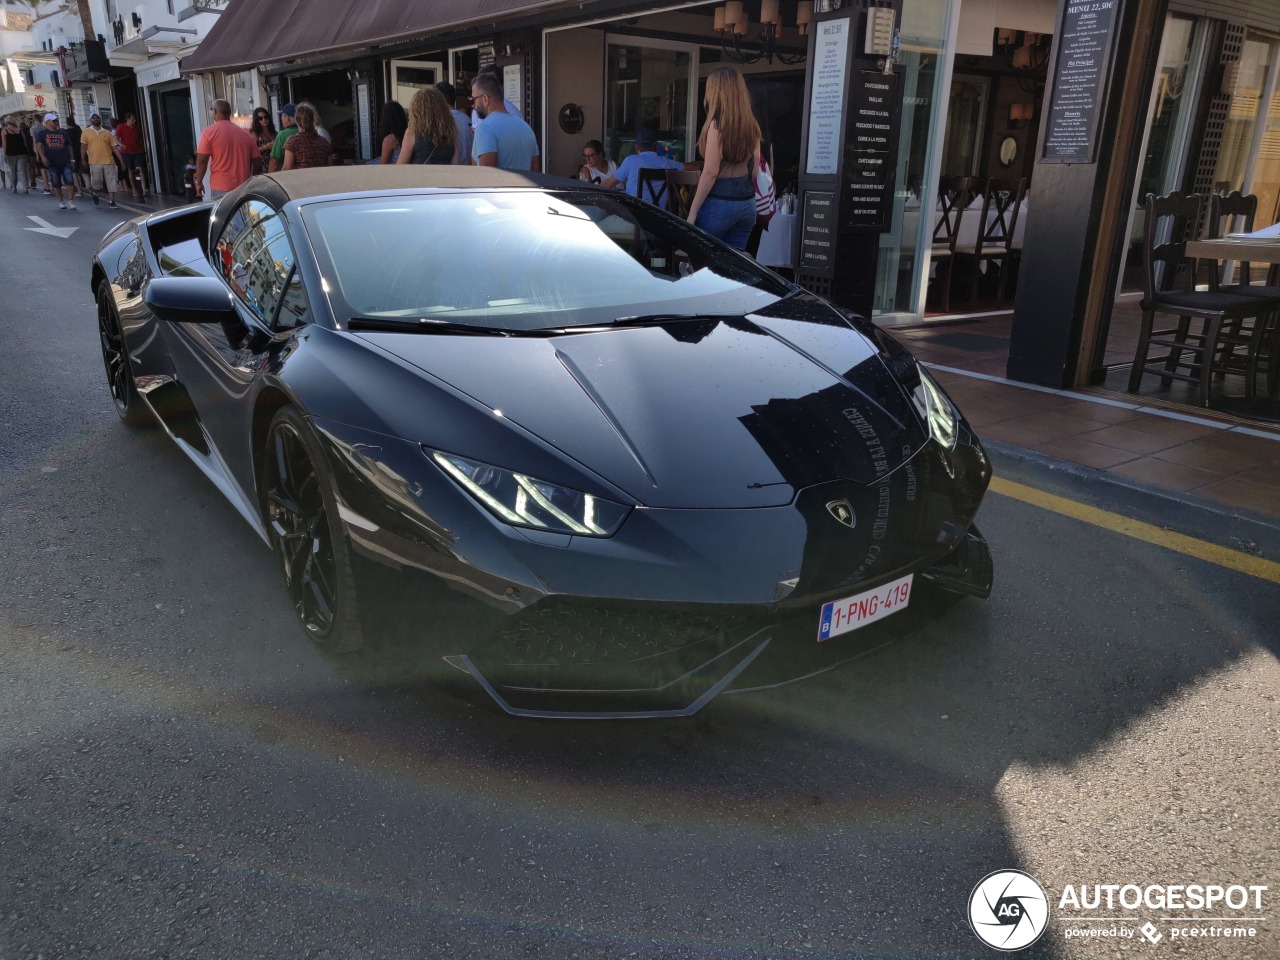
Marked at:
<point>1148,437</point>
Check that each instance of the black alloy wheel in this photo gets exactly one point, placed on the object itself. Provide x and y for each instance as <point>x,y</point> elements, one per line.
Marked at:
<point>301,516</point>
<point>124,394</point>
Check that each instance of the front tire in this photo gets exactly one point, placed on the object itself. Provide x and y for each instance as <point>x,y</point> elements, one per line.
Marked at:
<point>130,407</point>
<point>300,511</point>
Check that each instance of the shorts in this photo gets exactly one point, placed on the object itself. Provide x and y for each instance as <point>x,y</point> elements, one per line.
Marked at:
<point>61,175</point>
<point>103,176</point>
<point>135,161</point>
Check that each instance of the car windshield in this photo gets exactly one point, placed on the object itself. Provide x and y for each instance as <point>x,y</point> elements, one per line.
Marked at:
<point>525,260</point>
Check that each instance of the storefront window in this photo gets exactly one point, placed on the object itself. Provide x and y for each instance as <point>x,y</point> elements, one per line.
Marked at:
<point>648,87</point>
<point>900,266</point>
<point>239,90</point>
<point>1169,141</point>
<point>1247,92</point>
<point>1257,86</point>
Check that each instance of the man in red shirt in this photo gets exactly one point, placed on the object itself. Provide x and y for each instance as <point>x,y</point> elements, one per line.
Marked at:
<point>228,152</point>
<point>129,134</point>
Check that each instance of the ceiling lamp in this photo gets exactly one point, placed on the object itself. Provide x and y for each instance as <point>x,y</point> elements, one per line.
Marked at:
<point>731,20</point>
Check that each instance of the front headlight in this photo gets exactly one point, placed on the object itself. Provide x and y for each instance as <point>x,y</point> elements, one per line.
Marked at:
<point>524,501</point>
<point>935,409</point>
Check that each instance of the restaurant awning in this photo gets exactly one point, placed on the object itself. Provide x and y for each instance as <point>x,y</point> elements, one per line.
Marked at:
<point>254,32</point>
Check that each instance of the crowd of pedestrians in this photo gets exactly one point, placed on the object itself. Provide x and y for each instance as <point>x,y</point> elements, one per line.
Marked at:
<point>432,131</point>
<point>42,154</point>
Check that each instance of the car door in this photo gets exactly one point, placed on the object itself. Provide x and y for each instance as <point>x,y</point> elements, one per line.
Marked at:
<point>220,362</point>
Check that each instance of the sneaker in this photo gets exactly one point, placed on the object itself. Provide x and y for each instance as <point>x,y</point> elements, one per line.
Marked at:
<point>113,206</point>
<point>96,201</point>
<point>62,204</point>
<point>71,204</point>
<point>46,193</point>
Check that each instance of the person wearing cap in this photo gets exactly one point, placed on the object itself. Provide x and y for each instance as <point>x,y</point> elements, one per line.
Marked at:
<point>645,158</point>
<point>287,129</point>
<point>227,151</point>
<point>102,150</point>
<point>129,135</point>
<point>54,149</point>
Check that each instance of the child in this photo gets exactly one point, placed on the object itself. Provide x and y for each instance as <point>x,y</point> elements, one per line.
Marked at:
<point>189,179</point>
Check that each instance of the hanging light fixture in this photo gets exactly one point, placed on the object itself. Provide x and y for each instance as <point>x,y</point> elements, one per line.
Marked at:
<point>737,24</point>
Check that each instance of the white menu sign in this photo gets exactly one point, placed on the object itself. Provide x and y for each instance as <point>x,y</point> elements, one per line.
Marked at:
<point>826,100</point>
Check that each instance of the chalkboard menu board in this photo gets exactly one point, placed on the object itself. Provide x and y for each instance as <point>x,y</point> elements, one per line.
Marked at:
<point>869,150</point>
<point>818,233</point>
<point>1086,37</point>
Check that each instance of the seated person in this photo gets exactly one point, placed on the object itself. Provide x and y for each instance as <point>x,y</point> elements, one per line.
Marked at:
<point>645,158</point>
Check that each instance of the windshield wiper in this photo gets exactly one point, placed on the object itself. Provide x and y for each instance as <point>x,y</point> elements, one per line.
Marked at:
<point>424,325</point>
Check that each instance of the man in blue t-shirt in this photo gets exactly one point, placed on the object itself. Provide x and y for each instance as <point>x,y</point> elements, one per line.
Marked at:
<point>645,158</point>
<point>501,140</point>
<point>53,147</point>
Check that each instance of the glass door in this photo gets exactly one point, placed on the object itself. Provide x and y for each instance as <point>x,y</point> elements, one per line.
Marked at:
<point>409,76</point>
<point>650,84</point>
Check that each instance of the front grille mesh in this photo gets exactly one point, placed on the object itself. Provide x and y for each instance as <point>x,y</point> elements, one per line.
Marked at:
<point>556,631</point>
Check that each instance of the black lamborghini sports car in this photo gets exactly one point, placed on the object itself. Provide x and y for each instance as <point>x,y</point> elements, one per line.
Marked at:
<point>634,449</point>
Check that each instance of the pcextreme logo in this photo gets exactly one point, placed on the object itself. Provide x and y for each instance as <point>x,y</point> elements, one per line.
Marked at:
<point>1009,910</point>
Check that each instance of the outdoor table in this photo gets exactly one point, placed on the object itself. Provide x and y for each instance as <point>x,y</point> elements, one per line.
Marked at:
<point>1241,248</point>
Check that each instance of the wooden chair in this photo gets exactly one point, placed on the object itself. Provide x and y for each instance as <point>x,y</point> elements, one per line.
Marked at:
<point>653,187</point>
<point>1001,200</point>
<point>681,186</point>
<point>954,194</point>
<point>1259,342</point>
<point>1169,277</point>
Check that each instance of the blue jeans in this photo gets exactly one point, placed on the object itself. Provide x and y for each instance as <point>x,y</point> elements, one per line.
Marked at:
<point>728,220</point>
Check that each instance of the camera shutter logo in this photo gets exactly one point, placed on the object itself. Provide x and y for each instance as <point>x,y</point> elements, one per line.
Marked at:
<point>1008,910</point>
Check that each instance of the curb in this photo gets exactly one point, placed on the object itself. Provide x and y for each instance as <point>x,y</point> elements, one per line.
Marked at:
<point>1247,527</point>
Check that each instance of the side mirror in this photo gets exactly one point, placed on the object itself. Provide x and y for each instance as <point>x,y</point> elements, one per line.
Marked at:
<point>190,300</point>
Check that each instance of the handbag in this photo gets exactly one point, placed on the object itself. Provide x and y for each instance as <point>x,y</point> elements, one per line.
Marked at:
<point>766,197</point>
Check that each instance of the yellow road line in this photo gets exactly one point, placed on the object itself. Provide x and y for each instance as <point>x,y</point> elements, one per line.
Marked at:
<point>1222,556</point>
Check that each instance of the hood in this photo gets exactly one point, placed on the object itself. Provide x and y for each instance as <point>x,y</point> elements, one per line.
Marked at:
<point>691,414</point>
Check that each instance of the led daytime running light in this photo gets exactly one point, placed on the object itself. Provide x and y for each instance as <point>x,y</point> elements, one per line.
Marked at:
<point>525,501</point>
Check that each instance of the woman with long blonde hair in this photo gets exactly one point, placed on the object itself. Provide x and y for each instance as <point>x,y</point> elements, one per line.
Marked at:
<point>432,136</point>
<point>724,202</point>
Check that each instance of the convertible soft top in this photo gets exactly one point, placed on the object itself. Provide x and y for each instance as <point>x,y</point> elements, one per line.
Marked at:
<point>320,181</point>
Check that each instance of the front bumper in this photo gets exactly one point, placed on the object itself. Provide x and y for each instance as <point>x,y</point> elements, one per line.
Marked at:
<point>670,611</point>
<point>590,662</point>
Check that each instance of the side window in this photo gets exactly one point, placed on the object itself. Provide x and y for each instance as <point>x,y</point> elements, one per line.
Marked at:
<point>274,281</point>
<point>256,259</point>
<point>293,304</point>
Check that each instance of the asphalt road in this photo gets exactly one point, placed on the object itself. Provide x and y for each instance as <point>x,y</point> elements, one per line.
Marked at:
<point>183,775</point>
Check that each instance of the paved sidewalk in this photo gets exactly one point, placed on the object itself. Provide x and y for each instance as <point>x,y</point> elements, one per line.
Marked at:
<point>1181,452</point>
